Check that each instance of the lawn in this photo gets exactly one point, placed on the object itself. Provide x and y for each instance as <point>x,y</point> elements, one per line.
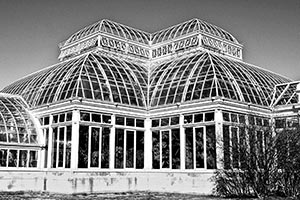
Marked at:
<point>109,196</point>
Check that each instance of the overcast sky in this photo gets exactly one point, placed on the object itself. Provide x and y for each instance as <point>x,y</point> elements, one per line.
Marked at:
<point>31,30</point>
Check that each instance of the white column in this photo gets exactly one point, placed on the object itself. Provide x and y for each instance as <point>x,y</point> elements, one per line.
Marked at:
<point>50,143</point>
<point>75,138</point>
<point>219,138</point>
<point>112,143</point>
<point>148,145</point>
<point>182,143</point>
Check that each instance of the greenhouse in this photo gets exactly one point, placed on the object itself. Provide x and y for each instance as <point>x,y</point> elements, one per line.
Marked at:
<point>127,110</point>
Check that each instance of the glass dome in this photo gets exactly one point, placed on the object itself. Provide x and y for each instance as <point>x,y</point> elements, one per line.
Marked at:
<point>16,126</point>
<point>92,76</point>
<point>190,26</point>
<point>206,75</point>
<point>113,28</point>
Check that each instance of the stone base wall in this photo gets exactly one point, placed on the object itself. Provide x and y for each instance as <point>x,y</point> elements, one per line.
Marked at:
<point>99,182</point>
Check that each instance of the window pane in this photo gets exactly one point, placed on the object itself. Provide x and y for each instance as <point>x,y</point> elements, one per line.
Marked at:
<point>23,158</point>
<point>155,149</point>
<point>199,148</point>
<point>61,143</point>
<point>188,119</point>
<point>165,122</point>
<point>226,144</point>
<point>235,150</point>
<point>189,150</point>
<point>105,148</point>
<point>12,158</point>
<point>129,149</point>
<point>140,123</point>
<point>54,148</point>
<point>68,147</point>
<point>139,149</point>
<point>85,116</point>
<point>106,119</point>
<point>174,120</point>
<point>198,118</point>
<point>83,147</point>
<point>165,148</point>
<point>94,155</point>
<point>119,150</point>
<point>155,122</point>
<point>129,122</point>
<point>209,116</point>
<point>210,147</point>
<point>120,120</point>
<point>175,149</point>
<point>3,157</point>
<point>33,157</point>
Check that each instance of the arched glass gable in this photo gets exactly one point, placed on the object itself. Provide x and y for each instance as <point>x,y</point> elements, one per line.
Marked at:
<point>16,125</point>
<point>190,26</point>
<point>92,76</point>
<point>206,75</point>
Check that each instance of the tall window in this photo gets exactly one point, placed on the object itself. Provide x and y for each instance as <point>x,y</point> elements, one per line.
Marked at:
<point>200,147</point>
<point>93,147</point>
<point>129,149</point>
<point>61,147</point>
<point>166,149</point>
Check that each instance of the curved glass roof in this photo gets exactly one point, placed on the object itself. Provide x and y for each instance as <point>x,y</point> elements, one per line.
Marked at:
<point>92,76</point>
<point>128,33</point>
<point>190,26</point>
<point>206,75</point>
<point>113,28</point>
<point>16,126</point>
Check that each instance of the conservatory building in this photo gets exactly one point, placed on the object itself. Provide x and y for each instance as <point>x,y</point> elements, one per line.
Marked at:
<point>127,110</point>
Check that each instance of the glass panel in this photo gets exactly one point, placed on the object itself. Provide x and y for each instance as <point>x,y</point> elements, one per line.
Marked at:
<point>54,147</point>
<point>83,147</point>
<point>211,147</point>
<point>94,155</point>
<point>46,134</point>
<point>62,117</point>
<point>199,147</point>
<point>139,149</point>
<point>188,119</point>
<point>174,120</point>
<point>235,147</point>
<point>68,147</point>
<point>61,143</point>
<point>119,149</point>
<point>55,118</point>
<point>175,149</point>
<point>189,150</point>
<point>165,148</point>
<point>12,158</point>
<point>129,122</point>
<point>96,117</point>
<point>140,123</point>
<point>84,116</point>
<point>226,144</point>
<point>198,118</point>
<point>69,116</point>
<point>3,136</point>
<point>155,122</point>
<point>209,116</point>
<point>130,149</point>
<point>165,121</point>
<point>120,120</point>
<point>3,157</point>
<point>105,148</point>
<point>46,120</point>
<point>106,119</point>
<point>33,157</point>
<point>23,158</point>
<point>155,149</point>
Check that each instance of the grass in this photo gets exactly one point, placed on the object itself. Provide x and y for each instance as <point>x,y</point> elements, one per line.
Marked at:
<point>109,196</point>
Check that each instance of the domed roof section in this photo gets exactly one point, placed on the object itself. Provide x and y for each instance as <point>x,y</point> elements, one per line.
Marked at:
<point>93,76</point>
<point>16,125</point>
<point>112,28</point>
<point>191,26</point>
<point>205,75</point>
